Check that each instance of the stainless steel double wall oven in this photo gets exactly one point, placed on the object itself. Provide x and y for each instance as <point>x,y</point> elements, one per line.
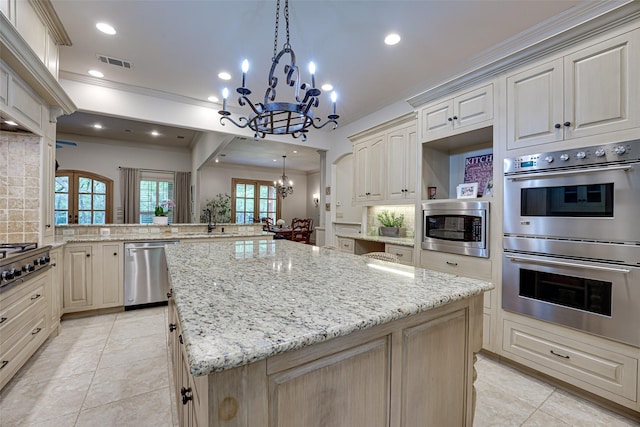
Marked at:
<point>572,238</point>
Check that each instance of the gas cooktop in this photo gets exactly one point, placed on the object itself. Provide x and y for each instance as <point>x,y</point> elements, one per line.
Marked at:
<point>9,249</point>
<point>21,261</point>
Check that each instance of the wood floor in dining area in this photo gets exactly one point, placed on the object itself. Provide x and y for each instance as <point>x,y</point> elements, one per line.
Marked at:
<point>113,370</point>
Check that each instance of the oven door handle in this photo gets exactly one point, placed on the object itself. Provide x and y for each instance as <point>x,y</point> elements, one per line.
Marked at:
<point>567,264</point>
<point>570,172</point>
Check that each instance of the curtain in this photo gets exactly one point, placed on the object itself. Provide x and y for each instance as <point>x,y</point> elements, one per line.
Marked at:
<point>182,195</point>
<point>130,194</point>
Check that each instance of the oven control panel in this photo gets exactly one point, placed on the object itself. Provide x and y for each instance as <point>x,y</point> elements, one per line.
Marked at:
<point>578,157</point>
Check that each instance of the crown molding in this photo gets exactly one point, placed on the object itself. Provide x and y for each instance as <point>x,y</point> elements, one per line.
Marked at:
<point>47,13</point>
<point>139,90</point>
<point>21,58</point>
<point>562,31</point>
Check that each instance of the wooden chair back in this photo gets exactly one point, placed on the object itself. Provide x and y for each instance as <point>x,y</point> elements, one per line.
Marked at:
<point>301,230</point>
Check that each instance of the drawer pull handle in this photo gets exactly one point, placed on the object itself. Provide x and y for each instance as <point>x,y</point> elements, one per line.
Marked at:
<point>2,320</point>
<point>186,395</point>
<point>453,264</point>
<point>4,363</point>
<point>397,254</point>
<point>558,354</point>
<point>36,331</point>
<point>180,339</point>
<point>36,296</point>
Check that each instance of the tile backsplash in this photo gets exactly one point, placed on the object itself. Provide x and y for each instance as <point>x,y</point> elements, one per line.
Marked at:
<point>407,210</point>
<point>19,187</point>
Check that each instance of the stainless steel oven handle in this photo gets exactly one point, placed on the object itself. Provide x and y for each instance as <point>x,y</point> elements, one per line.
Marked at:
<point>570,172</point>
<point>567,264</point>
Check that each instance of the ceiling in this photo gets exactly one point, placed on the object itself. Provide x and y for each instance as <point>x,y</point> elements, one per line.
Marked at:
<point>178,47</point>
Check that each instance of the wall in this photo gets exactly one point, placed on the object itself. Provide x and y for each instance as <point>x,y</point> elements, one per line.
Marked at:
<point>217,179</point>
<point>19,187</point>
<point>104,156</point>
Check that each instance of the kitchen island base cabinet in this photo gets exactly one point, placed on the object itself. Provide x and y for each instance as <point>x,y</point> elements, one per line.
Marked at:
<point>416,371</point>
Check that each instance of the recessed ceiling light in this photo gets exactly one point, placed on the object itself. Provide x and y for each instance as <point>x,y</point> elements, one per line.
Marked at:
<point>97,126</point>
<point>96,73</point>
<point>327,86</point>
<point>295,151</point>
<point>275,160</point>
<point>11,123</point>
<point>392,39</point>
<point>217,160</point>
<point>155,133</point>
<point>213,99</point>
<point>106,28</point>
<point>224,75</point>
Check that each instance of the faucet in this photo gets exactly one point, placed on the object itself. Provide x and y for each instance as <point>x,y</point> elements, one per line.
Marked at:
<point>210,226</point>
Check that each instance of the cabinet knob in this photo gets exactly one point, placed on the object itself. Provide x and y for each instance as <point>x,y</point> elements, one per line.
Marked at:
<point>455,117</point>
<point>567,124</point>
<point>180,339</point>
<point>115,254</point>
<point>450,119</point>
<point>88,255</point>
<point>48,225</point>
<point>186,395</point>
<point>172,327</point>
<point>557,126</point>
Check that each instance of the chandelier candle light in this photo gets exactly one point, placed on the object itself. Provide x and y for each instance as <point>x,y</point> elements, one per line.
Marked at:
<point>284,186</point>
<point>281,118</point>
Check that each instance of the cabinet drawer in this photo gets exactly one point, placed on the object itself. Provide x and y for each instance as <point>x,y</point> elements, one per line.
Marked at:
<point>21,305</point>
<point>16,351</point>
<point>479,268</point>
<point>405,253</point>
<point>573,361</point>
<point>346,245</point>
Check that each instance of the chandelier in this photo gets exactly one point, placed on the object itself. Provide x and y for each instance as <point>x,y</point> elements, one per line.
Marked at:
<point>281,118</point>
<point>284,186</point>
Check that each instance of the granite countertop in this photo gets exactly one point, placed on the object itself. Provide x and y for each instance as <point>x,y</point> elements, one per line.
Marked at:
<point>144,237</point>
<point>243,301</point>
<point>400,241</point>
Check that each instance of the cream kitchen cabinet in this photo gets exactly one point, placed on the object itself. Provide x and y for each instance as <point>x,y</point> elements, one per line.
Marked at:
<point>93,276</point>
<point>48,188</point>
<point>402,163</point>
<point>461,265</point>
<point>404,253</point>
<point>590,91</point>
<point>346,245</point>
<point>467,111</point>
<point>599,366</point>
<point>54,297</point>
<point>369,170</point>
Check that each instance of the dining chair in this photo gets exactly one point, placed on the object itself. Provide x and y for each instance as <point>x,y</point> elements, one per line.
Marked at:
<point>267,223</point>
<point>301,230</point>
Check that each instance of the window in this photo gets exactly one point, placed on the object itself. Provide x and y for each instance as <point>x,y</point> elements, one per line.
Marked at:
<point>82,198</point>
<point>252,200</point>
<point>155,187</point>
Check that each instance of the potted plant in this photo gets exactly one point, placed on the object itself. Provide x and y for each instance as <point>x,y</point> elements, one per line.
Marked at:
<point>161,212</point>
<point>391,224</point>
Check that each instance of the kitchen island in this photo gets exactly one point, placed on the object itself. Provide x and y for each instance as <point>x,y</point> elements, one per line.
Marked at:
<point>278,333</point>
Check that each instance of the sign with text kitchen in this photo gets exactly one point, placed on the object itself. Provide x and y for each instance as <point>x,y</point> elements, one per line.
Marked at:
<point>478,169</point>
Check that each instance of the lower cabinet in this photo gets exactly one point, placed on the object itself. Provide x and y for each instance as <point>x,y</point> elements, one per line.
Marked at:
<point>461,265</point>
<point>93,276</point>
<point>54,298</point>
<point>24,327</point>
<point>599,366</point>
<point>404,253</point>
<point>416,371</point>
<point>346,245</point>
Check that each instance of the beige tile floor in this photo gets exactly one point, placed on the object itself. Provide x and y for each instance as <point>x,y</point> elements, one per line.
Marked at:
<point>113,370</point>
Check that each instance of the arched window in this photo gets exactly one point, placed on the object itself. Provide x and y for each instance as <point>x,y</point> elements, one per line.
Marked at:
<point>83,198</point>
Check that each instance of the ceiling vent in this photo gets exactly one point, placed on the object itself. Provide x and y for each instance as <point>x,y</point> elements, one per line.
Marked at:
<point>115,61</point>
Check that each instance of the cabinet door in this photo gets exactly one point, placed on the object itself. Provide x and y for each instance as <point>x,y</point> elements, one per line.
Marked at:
<point>437,120</point>
<point>396,168</point>
<point>346,245</point>
<point>411,162</point>
<point>534,106</point>
<point>55,303</point>
<point>376,169</point>
<point>473,107</point>
<point>78,286</point>
<point>601,87</point>
<point>48,180</point>
<point>360,171</point>
<point>109,286</point>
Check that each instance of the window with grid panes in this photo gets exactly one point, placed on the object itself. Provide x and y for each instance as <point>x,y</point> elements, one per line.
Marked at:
<point>252,200</point>
<point>82,198</point>
<point>155,188</point>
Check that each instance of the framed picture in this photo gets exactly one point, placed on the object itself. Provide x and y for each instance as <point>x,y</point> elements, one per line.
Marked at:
<point>467,191</point>
<point>488,189</point>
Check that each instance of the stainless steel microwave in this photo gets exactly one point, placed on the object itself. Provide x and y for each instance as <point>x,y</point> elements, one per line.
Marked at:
<point>456,226</point>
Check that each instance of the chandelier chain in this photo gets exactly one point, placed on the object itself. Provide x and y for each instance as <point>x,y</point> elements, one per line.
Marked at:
<point>275,37</point>
<point>286,20</point>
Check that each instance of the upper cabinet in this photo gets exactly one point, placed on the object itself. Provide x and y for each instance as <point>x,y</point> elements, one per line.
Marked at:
<point>590,91</point>
<point>385,161</point>
<point>467,111</point>
<point>402,163</point>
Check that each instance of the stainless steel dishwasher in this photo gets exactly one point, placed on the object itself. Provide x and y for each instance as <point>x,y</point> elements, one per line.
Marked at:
<point>146,280</point>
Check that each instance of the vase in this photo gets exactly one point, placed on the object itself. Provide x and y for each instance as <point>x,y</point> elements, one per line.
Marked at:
<point>161,220</point>
<point>392,231</point>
